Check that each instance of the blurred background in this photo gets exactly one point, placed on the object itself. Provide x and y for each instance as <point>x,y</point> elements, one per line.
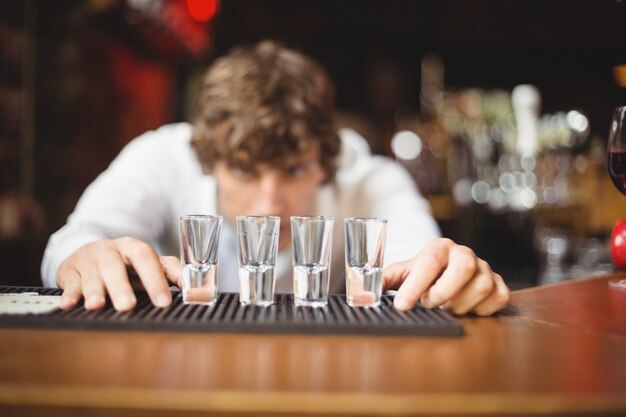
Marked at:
<point>499,109</point>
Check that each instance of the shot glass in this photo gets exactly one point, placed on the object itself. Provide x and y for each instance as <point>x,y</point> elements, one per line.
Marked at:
<point>365,246</point>
<point>199,240</point>
<point>258,246</point>
<point>311,245</point>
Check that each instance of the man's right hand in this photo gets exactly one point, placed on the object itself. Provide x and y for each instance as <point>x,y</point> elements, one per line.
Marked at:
<point>103,267</point>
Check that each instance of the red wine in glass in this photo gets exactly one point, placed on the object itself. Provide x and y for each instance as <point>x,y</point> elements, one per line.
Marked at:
<point>617,171</point>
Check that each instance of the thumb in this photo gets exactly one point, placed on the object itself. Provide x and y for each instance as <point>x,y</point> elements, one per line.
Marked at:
<point>173,269</point>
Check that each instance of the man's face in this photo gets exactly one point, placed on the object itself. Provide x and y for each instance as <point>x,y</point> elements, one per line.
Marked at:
<point>284,190</point>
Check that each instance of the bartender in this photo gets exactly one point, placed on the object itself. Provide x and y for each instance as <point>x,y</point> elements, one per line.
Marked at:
<point>263,142</point>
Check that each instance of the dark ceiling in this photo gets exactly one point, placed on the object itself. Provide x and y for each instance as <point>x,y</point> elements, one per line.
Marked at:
<point>568,48</point>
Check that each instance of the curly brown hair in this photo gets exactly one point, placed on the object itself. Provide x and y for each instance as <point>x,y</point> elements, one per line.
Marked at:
<point>263,104</point>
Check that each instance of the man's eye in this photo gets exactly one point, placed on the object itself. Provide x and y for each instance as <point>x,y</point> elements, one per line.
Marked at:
<point>295,171</point>
<point>242,173</point>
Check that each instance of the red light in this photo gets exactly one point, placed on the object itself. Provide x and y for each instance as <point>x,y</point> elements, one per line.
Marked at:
<point>202,10</point>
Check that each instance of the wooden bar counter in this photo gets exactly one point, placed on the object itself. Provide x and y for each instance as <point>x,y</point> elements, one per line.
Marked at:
<point>557,350</point>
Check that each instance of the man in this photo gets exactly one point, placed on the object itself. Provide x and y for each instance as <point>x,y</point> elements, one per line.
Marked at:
<point>263,143</point>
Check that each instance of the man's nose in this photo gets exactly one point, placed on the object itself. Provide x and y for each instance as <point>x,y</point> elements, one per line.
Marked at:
<point>270,199</point>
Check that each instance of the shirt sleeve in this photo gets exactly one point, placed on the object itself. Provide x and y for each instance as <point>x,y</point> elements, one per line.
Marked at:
<point>127,199</point>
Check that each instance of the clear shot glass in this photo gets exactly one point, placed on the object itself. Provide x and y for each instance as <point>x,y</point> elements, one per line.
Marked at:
<point>365,246</point>
<point>311,246</point>
<point>258,247</point>
<point>199,240</point>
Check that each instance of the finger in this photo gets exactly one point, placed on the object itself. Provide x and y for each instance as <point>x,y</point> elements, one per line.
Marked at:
<point>480,287</point>
<point>497,300</point>
<point>461,268</point>
<point>93,291</point>
<point>113,271</point>
<point>69,280</point>
<point>424,268</point>
<point>173,269</point>
<point>93,287</point>
<point>148,266</point>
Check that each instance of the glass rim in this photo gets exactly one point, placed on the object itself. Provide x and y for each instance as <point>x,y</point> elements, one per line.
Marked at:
<point>270,223</point>
<point>364,219</point>
<point>200,217</point>
<point>253,217</point>
<point>317,217</point>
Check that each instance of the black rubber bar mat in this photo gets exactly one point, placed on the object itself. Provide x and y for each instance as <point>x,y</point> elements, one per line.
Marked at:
<point>228,315</point>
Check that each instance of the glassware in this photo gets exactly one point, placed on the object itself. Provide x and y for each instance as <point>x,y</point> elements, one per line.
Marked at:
<point>365,247</point>
<point>258,247</point>
<point>199,240</point>
<point>311,240</point>
<point>617,172</point>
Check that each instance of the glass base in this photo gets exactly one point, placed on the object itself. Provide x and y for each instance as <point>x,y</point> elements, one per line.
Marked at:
<point>257,303</point>
<point>304,303</point>
<point>199,303</point>
<point>200,296</point>
<point>365,305</point>
<point>620,284</point>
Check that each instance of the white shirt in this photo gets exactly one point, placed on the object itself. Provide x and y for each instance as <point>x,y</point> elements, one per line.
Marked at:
<point>157,178</point>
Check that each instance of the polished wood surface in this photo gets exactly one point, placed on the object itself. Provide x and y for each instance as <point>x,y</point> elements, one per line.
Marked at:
<point>557,349</point>
<point>584,304</point>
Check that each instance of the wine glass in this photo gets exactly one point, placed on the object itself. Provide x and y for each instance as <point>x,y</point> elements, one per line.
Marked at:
<point>617,171</point>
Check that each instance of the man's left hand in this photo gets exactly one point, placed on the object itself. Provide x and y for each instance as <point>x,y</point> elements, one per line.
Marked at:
<point>447,275</point>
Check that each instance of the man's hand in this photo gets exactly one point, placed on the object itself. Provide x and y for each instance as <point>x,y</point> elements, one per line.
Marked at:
<point>448,275</point>
<point>103,267</point>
